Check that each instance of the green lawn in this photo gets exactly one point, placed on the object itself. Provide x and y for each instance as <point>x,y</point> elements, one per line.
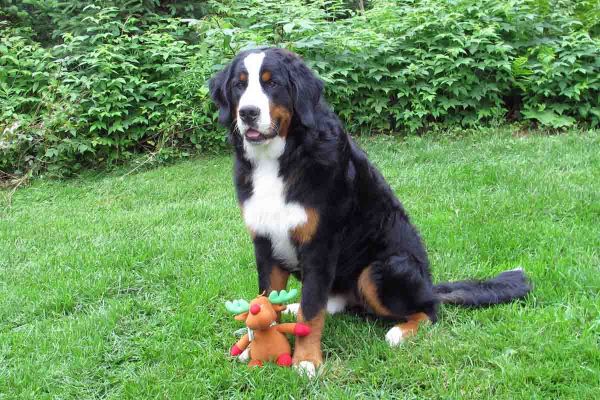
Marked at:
<point>114,286</point>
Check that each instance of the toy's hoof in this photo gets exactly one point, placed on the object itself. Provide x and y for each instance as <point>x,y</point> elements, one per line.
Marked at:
<point>306,368</point>
<point>301,329</point>
<point>284,360</point>
<point>255,363</point>
<point>235,350</point>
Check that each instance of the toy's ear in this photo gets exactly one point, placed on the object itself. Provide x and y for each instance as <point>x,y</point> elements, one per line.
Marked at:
<point>241,317</point>
<point>279,308</point>
<point>219,92</point>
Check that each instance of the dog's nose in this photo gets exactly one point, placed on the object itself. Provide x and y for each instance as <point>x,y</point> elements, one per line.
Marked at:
<point>255,309</point>
<point>249,113</point>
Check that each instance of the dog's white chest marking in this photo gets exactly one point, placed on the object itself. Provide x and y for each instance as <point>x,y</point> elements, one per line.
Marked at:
<point>266,212</point>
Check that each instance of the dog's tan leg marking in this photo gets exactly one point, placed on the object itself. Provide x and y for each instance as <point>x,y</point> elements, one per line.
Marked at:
<point>404,330</point>
<point>279,278</point>
<point>398,333</point>
<point>307,352</point>
<point>368,291</point>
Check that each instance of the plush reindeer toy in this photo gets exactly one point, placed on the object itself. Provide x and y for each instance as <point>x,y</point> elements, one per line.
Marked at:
<point>265,336</point>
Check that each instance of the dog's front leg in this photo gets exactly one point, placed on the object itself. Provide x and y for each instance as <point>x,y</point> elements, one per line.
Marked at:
<point>270,275</point>
<point>318,271</point>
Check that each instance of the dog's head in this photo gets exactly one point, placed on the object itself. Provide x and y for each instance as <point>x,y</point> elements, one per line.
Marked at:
<point>265,92</point>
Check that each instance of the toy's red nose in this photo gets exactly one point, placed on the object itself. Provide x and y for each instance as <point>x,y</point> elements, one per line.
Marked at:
<point>255,309</point>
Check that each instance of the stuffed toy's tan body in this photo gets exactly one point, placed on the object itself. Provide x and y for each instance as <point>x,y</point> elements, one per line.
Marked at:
<point>267,339</point>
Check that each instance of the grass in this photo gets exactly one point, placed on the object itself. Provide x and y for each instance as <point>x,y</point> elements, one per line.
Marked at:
<point>113,287</point>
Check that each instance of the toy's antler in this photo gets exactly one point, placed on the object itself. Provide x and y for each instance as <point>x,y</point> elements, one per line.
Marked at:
<point>282,296</point>
<point>237,306</point>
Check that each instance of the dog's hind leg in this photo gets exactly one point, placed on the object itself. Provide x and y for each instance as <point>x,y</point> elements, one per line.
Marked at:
<point>398,288</point>
<point>400,332</point>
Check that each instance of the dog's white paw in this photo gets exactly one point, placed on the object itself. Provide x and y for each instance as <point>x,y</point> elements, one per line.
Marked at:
<point>292,309</point>
<point>306,368</point>
<point>336,304</point>
<point>244,357</point>
<point>394,337</point>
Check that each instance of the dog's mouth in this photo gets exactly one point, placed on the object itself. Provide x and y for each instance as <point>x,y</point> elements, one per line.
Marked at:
<point>254,136</point>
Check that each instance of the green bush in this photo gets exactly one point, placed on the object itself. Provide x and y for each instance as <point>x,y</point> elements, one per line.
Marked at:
<point>101,97</point>
<point>86,85</point>
<point>27,95</point>
<point>404,65</point>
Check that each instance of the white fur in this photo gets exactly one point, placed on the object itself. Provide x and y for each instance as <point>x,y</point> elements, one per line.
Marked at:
<point>292,309</point>
<point>336,304</point>
<point>254,94</point>
<point>306,368</point>
<point>245,356</point>
<point>394,336</point>
<point>269,150</point>
<point>266,212</point>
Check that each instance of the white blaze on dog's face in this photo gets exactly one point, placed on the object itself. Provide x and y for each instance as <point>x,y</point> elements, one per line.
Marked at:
<point>253,100</point>
<point>266,93</point>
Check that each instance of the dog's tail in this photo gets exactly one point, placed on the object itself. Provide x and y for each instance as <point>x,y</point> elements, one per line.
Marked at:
<point>507,286</point>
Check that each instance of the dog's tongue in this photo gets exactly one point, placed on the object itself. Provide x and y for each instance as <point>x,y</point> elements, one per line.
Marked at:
<point>252,134</point>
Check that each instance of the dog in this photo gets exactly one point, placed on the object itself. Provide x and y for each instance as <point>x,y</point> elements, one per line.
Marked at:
<point>317,208</point>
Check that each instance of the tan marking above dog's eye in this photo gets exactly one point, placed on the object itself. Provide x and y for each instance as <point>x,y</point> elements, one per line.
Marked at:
<point>266,76</point>
<point>243,77</point>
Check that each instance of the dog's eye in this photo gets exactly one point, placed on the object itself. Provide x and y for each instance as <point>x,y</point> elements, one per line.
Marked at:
<point>240,84</point>
<point>270,83</point>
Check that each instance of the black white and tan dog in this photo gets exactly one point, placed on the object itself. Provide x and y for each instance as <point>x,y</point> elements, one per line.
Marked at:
<point>318,209</point>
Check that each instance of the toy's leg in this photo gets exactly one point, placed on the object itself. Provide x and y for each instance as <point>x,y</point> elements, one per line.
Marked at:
<point>255,363</point>
<point>284,360</point>
<point>297,329</point>
<point>240,346</point>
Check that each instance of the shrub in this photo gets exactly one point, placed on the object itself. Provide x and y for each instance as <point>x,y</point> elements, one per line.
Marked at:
<point>404,65</point>
<point>84,85</point>
<point>111,93</point>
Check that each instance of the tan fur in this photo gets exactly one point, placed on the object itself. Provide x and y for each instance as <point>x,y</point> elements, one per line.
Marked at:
<point>368,291</point>
<point>269,341</point>
<point>304,233</point>
<point>411,327</point>
<point>283,116</point>
<point>277,344</point>
<point>279,278</point>
<point>308,348</point>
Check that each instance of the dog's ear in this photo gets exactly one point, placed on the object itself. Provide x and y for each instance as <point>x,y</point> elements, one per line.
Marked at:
<point>306,90</point>
<point>219,92</point>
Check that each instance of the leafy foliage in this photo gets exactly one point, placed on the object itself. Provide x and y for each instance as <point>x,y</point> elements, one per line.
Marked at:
<point>94,83</point>
<point>102,96</point>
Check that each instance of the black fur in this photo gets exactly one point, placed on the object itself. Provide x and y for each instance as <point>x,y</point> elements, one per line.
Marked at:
<point>505,287</point>
<point>362,223</point>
